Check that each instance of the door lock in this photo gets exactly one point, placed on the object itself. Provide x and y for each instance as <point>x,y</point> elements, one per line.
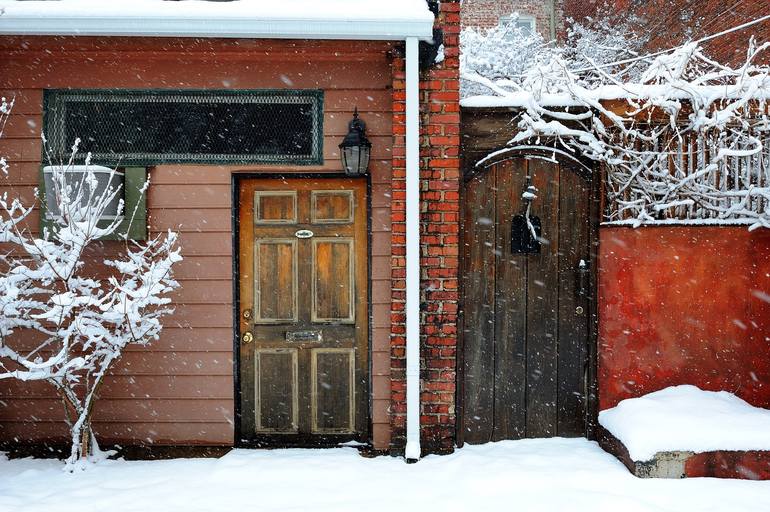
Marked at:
<point>579,310</point>
<point>247,338</point>
<point>247,314</point>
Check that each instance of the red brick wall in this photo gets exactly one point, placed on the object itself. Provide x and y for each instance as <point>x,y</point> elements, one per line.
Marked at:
<point>672,22</point>
<point>684,305</point>
<point>439,228</point>
<point>487,13</point>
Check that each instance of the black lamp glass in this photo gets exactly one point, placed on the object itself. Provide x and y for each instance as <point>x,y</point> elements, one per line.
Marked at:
<point>355,148</point>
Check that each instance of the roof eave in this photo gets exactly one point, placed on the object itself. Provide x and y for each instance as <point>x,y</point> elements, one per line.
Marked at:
<point>379,30</point>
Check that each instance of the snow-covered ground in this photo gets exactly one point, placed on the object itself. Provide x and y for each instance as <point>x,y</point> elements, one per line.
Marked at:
<point>686,418</point>
<point>569,475</point>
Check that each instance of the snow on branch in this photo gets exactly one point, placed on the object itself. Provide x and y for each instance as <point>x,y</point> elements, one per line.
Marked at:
<point>5,112</point>
<point>681,137</point>
<point>64,318</point>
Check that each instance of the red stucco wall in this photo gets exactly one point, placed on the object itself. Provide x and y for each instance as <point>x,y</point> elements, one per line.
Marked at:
<point>684,305</point>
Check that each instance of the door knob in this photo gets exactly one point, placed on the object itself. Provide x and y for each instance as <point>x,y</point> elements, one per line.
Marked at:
<point>247,338</point>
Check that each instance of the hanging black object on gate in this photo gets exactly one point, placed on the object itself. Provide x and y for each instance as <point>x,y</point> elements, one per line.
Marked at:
<point>522,241</point>
<point>525,228</point>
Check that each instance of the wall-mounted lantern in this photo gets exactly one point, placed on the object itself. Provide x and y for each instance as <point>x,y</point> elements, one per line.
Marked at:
<point>355,148</point>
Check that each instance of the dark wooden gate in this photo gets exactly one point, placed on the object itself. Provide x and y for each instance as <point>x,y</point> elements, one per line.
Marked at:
<point>528,315</point>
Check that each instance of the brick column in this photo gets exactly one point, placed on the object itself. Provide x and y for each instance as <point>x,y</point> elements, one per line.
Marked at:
<point>439,247</point>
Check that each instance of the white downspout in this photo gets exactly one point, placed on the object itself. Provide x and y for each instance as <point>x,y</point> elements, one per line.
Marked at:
<point>412,251</point>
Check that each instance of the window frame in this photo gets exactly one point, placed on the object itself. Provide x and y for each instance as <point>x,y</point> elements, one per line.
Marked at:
<point>503,20</point>
<point>55,130</point>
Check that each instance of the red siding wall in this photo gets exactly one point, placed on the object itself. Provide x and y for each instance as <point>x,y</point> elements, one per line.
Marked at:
<point>179,390</point>
<point>684,305</point>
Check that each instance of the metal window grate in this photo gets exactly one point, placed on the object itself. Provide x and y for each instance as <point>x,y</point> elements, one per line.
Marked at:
<point>146,127</point>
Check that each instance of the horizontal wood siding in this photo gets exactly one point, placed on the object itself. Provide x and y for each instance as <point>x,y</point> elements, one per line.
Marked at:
<point>180,389</point>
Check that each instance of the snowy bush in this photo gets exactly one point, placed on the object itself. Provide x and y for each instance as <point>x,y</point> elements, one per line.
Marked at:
<point>499,52</point>
<point>507,53</point>
<point>66,320</point>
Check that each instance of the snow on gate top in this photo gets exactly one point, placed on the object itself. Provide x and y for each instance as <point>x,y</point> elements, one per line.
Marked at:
<point>302,19</point>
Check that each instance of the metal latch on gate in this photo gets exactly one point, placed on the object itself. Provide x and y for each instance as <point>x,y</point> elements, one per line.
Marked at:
<point>304,336</point>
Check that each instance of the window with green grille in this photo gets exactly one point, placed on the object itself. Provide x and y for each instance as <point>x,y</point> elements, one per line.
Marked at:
<point>148,127</point>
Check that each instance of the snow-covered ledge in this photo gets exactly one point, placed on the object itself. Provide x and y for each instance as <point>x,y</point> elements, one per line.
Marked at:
<point>412,250</point>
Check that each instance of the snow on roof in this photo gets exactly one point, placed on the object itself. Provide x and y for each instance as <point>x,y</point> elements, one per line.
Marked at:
<point>295,19</point>
<point>686,418</point>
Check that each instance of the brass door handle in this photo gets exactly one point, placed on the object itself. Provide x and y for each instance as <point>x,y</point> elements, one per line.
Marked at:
<point>247,338</point>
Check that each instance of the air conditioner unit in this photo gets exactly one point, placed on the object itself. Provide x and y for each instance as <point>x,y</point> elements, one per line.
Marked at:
<point>74,178</point>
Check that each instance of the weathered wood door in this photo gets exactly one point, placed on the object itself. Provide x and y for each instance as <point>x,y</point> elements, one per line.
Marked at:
<point>526,315</point>
<point>303,311</point>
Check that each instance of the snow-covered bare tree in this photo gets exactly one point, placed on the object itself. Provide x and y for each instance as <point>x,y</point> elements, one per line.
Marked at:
<point>5,112</point>
<point>603,40</point>
<point>64,318</point>
<point>682,138</point>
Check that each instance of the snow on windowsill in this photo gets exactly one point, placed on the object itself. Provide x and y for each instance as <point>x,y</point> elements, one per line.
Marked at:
<point>686,418</point>
<point>96,169</point>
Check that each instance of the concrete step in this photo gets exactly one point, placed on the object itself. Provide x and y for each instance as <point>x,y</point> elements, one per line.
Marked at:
<point>745,465</point>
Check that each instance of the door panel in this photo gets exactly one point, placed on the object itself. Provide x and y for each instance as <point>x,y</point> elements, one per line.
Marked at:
<point>479,311</point>
<point>275,268</point>
<point>276,390</point>
<point>275,207</point>
<point>303,274</point>
<point>508,314</point>
<point>332,207</point>
<point>333,400</point>
<point>333,280</point>
<point>526,314</point>
<point>574,288</point>
<point>542,298</point>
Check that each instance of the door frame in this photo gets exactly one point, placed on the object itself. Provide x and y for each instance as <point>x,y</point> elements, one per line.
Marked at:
<point>277,441</point>
<point>576,165</point>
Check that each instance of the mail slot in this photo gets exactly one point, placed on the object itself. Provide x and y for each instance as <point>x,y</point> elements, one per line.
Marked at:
<point>304,336</point>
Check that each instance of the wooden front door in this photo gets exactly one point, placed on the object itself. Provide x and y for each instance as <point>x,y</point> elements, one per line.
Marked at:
<point>303,311</point>
<point>527,315</point>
